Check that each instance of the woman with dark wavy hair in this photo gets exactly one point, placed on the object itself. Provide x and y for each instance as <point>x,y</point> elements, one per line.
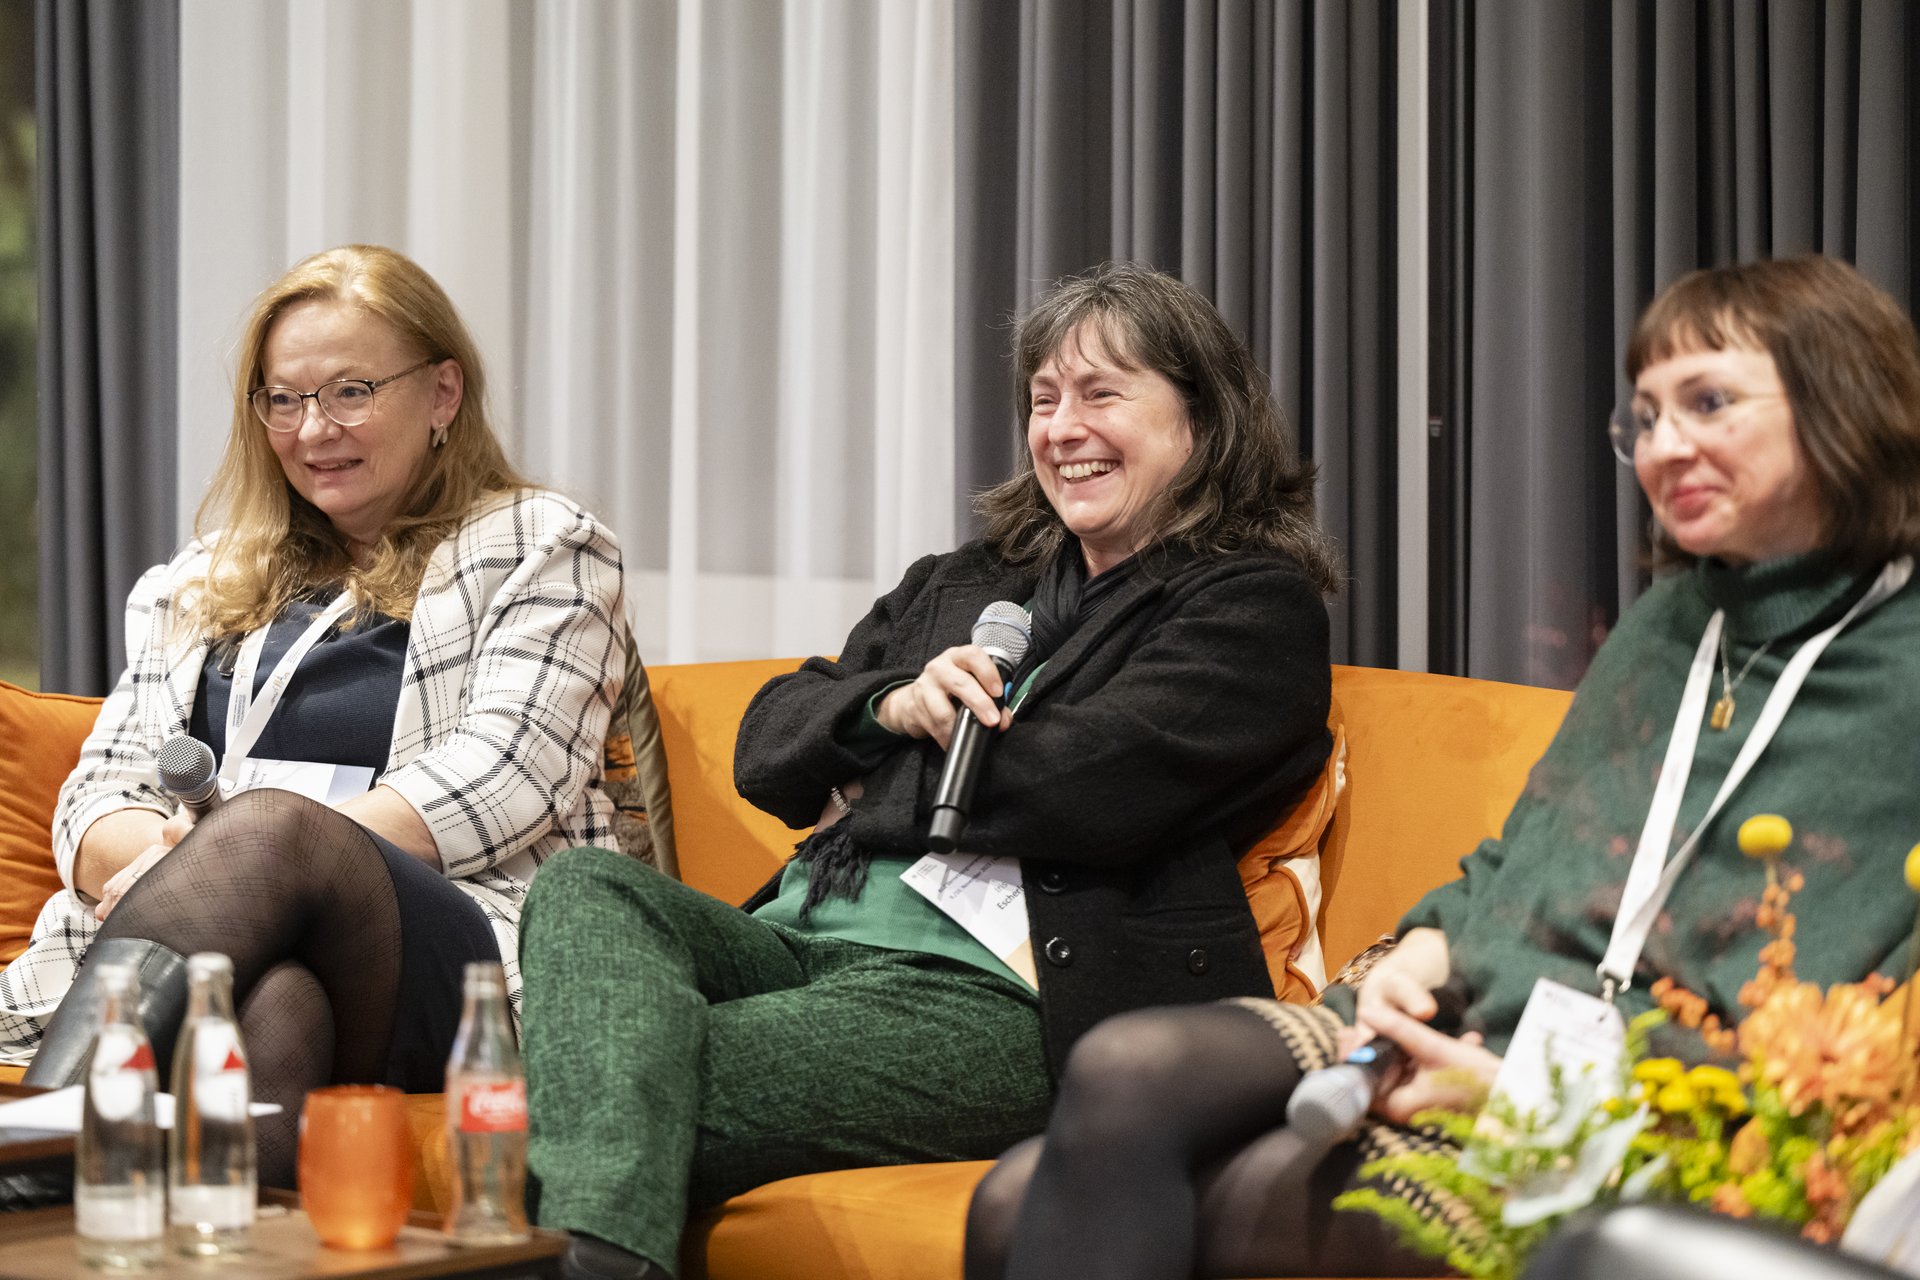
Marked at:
<point>1172,708</point>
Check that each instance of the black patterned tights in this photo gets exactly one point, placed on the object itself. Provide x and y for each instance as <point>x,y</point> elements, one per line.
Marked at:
<point>299,896</point>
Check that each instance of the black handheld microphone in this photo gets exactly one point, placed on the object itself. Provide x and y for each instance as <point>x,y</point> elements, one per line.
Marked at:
<point>1328,1105</point>
<point>1005,632</point>
<point>187,769</point>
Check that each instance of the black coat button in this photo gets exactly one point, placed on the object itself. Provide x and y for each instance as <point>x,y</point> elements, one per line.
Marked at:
<point>1052,881</point>
<point>1059,952</point>
<point>1198,961</point>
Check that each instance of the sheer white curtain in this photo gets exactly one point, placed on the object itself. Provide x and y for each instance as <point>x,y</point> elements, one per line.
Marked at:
<point>706,246</point>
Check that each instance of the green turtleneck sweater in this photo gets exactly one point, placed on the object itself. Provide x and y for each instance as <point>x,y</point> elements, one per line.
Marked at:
<point>1844,769</point>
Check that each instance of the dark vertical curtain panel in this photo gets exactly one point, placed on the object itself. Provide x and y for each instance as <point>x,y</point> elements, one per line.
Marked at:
<point>1244,145</point>
<point>1614,148</point>
<point>109,160</point>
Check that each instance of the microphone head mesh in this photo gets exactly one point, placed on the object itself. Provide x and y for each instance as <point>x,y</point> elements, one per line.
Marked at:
<point>1004,631</point>
<point>1328,1105</point>
<point>186,765</point>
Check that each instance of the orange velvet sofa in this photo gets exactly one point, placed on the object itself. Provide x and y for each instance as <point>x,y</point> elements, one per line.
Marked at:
<point>1434,763</point>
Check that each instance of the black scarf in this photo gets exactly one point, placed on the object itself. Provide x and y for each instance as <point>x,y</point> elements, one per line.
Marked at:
<point>1063,600</point>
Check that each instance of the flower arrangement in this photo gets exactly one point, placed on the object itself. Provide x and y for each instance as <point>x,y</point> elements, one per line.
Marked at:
<point>1823,1103</point>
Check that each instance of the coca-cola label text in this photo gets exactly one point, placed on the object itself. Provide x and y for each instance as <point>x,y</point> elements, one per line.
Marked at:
<point>493,1107</point>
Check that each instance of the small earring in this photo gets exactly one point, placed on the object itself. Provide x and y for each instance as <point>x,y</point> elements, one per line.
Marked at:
<point>439,436</point>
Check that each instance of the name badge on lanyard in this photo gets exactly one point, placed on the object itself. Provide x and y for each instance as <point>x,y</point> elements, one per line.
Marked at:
<point>1580,1035</point>
<point>247,717</point>
<point>1651,878</point>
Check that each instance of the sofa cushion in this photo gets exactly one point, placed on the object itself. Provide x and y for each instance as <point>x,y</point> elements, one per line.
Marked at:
<point>725,846</point>
<point>40,737</point>
<point>853,1224</point>
<point>1281,875</point>
<point>1436,762</point>
<point>635,771</point>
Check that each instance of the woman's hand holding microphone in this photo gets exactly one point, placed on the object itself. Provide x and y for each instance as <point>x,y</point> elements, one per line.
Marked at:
<point>924,708</point>
<point>1396,1002</point>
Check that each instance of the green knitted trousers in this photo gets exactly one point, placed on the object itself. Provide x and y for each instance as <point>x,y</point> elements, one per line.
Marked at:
<point>679,1051</point>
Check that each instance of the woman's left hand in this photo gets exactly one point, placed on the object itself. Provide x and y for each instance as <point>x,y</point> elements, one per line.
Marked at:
<point>1444,1070</point>
<point>171,833</point>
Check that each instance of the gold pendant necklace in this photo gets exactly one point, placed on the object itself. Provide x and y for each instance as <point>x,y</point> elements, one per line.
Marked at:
<point>1723,709</point>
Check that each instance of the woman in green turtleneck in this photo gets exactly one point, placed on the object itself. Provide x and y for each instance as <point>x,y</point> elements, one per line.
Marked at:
<point>1775,427</point>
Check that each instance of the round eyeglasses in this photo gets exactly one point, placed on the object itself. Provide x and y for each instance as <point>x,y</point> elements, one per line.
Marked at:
<point>1698,413</point>
<point>348,402</point>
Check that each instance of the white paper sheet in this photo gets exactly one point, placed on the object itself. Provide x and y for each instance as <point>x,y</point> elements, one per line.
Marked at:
<point>985,896</point>
<point>59,1111</point>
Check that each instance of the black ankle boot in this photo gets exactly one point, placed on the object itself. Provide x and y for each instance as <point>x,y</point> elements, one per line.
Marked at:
<point>68,1035</point>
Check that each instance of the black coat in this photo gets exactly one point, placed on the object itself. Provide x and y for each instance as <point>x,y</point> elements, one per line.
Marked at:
<point>1165,737</point>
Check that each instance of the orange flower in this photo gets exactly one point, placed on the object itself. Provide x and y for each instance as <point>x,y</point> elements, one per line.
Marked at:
<point>1827,1193</point>
<point>1730,1200</point>
<point>1748,1153</point>
<point>1838,1050</point>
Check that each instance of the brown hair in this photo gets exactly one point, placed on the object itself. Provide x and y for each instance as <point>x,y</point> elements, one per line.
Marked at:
<point>272,545</point>
<point>1849,359</point>
<point>1245,484</point>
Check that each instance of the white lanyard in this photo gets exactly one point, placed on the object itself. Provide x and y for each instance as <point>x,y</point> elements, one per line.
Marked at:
<point>247,715</point>
<point>1651,878</point>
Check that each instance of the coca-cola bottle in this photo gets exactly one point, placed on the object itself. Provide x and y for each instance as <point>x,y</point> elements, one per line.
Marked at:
<point>211,1178</point>
<point>119,1163</point>
<point>487,1117</point>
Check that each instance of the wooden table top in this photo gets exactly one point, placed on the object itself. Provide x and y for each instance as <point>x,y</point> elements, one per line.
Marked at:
<point>39,1245</point>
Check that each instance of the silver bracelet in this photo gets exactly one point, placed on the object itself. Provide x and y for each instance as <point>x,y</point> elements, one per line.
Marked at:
<point>839,800</point>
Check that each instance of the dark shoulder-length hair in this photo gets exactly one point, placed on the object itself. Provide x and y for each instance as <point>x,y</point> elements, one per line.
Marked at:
<point>1849,360</point>
<point>1245,484</point>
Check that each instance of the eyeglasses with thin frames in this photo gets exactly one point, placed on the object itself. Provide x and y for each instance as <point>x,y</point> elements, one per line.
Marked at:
<point>347,402</point>
<point>1698,413</point>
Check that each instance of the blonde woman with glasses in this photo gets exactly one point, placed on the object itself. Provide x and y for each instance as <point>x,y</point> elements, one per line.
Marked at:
<point>404,659</point>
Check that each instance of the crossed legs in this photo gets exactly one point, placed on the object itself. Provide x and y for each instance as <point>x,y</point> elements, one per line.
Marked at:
<point>1167,1157</point>
<point>299,896</point>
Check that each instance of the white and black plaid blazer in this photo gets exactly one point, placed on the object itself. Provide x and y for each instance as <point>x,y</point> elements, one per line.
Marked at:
<point>514,661</point>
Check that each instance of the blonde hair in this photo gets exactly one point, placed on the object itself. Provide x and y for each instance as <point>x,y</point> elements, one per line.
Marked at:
<point>269,546</point>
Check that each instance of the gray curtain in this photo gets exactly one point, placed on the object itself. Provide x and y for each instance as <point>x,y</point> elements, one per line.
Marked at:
<point>1613,148</point>
<point>108,73</point>
<point>1244,145</point>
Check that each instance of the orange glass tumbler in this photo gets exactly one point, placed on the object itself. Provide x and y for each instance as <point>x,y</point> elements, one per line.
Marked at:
<point>356,1164</point>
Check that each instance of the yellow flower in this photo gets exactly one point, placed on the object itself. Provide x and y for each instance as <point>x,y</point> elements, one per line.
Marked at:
<point>1719,1087</point>
<point>1764,835</point>
<point>1674,1099</point>
<point>1708,1076</point>
<point>1658,1070</point>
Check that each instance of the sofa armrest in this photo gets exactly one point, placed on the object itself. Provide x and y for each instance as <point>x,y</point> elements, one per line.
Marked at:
<point>40,739</point>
